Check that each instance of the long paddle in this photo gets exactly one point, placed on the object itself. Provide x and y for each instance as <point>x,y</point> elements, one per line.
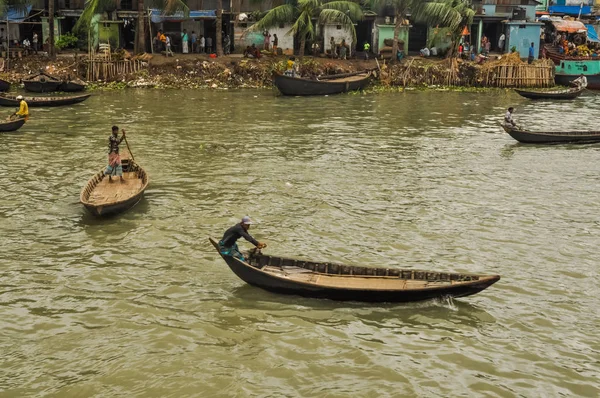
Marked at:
<point>127,143</point>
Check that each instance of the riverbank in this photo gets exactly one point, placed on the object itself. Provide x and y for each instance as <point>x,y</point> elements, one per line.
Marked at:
<point>233,71</point>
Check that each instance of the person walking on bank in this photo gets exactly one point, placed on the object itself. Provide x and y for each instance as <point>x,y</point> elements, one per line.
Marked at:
<point>275,43</point>
<point>333,47</point>
<point>168,46</point>
<point>194,41</point>
<point>367,48</point>
<point>23,112</point>
<point>184,42</point>
<point>501,41</point>
<point>202,44</point>
<point>228,245</point>
<point>35,42</point>
<point>531,54</point>
<point>209,44</point>
<point>114,159</point>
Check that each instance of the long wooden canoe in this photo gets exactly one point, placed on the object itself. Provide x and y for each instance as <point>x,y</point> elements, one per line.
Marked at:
<point>288,85</point>
<point>11,100</point>
<point>102,198</point>
<point>351,283</point>
<point>12,125</point>
<point>41,83</point>
<point>552,137</point>
<point>558,94</point>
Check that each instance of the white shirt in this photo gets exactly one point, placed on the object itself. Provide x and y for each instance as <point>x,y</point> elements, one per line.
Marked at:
<point>168,42</point>
<point>581,81</point>
<point>202,41</point>
<point>508,118</point>
<point>502,37</point>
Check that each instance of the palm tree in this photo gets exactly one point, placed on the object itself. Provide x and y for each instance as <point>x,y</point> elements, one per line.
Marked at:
<point>168,7</point>
<point>451,14</point>
<point>401,8</point>
<point>302,13</point>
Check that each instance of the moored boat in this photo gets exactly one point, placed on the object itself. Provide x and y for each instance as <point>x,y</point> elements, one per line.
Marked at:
<point>71,86</point>
<point>41,83</point>
<point>569,70</point>
<point>552,137</point>
<point>288,85</point>
<point>103,198</point>
<point>557,94</point>
<point>12,125</point>
<point>352,283</point>
<point>9,100</point>
<point>4,85</point>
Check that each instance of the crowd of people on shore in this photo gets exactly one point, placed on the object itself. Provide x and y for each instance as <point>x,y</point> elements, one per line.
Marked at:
<point>189,43</point>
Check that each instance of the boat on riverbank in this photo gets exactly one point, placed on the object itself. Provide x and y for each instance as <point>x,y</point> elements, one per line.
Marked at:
<point>4,85</point>
<point>71,86</point>
<point>552,137</point>
<point>11,125</point>
<point>352,283</point>
<point>41,83</point>
<point>556,94</point>
<point>11,100</point>
<point>326,85</point>
<point>569,70</point>
<point>103,198</point>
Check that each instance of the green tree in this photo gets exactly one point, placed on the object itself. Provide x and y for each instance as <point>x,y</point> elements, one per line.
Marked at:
<point>168,7</point>
<point>301,14</point>
<point>451,14</point>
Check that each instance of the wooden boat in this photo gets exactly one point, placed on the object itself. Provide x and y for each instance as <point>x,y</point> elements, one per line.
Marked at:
<point>9,100</point>
<point>288,85</point>
<point>569,70</point>
<point>42,83</point>
<point>11,125</point>
<point>558,94</point>
<point>4,85</point>
<point>71,86</point>
<point>102,198</point>
<point>352,283</point>
<point>552,137</point>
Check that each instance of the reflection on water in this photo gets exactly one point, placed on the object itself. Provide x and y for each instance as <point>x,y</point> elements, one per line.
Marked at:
<point>141,304</point>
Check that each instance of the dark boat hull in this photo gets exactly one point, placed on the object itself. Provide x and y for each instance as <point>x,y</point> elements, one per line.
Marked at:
<point>111,210</point>
<point>4,85</point>
<point>288,85</point>
<point>276,284</point>
<point>71,87</point>
<point>529,137</point>
<point>41,87</point>
<point>43,101</point>
<point>558,95</point>
<point>12,125</point>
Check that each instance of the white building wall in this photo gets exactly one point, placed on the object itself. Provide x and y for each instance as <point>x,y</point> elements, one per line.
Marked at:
<point>330,31</point>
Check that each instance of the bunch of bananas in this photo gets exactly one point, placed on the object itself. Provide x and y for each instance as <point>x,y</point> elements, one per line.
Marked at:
<point>583,51</point>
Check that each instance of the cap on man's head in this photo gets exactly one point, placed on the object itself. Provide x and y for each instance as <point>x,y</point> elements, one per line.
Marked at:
<point>246,220</point>
<point>19,97</point>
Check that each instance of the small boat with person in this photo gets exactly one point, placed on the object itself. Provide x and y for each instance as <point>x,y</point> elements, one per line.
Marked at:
<point>10,100</point>
<point>556,94</point>
<point>41,83</point>
<point>12,124</point>
<point>102,197</point>
<point>552,137</point>
<point>324,85</point>
<point>351,283</point>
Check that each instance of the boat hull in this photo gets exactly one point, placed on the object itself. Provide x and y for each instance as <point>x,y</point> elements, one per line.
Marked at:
<point>39,87</point>
<point>4,85</point>
<point>12,101</point>
<point>530,137</point>
<point>556,95</point>
<point>567,80</point>
<point>288,85</point>
<point>111,210</point>
<point>282,285</point>
<point>71,87</point>
<point>12,125</point>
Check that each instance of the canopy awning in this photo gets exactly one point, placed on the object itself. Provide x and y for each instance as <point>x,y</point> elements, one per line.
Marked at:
<point>157,16</point>
<point>569,26</point>
<point>14,15</point>
<point>591,34</point>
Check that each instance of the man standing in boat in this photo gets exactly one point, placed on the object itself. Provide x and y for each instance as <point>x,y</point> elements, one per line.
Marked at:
<point>581,81</point>
<point>114,159</point>
<point>23,112</point>
<point>228,244</point>
<point>508,120</point>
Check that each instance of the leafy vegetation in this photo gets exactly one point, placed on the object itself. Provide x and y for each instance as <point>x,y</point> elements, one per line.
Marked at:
<point>68,40</point>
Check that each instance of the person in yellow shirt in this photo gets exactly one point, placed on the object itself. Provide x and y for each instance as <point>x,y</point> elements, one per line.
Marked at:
<point>23,111</point>
<point>290,69</point>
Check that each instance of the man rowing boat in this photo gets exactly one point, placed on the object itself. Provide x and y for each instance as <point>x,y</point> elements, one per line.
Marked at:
<point>581,81</point>
<point>114,159</point>
<point>508,120</point>
<point>228,245</point>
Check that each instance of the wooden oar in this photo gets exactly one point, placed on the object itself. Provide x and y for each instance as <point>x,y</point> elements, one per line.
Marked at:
<point>127,143</point>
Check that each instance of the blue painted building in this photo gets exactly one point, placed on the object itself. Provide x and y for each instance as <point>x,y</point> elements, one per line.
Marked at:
<point>521,34</point>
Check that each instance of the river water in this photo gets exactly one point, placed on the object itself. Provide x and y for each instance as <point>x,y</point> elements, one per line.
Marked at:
<point>141,305</point>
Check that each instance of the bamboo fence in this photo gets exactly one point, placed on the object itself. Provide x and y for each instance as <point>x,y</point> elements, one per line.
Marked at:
<point>108,70</point>
<point>519,76</point>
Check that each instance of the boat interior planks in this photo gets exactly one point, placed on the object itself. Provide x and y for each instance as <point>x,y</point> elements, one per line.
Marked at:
<point>107,192</point>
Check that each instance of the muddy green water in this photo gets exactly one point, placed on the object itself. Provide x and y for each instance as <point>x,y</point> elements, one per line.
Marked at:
<point>140,305</point>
